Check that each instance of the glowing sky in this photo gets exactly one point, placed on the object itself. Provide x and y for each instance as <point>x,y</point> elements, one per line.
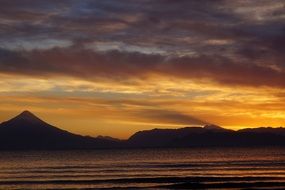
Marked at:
<point>113,67</point>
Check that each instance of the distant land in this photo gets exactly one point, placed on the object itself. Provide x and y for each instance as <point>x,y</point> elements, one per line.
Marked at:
<point>27,132</point>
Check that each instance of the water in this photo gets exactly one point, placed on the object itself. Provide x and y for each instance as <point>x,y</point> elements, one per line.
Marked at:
<point>220,168</point>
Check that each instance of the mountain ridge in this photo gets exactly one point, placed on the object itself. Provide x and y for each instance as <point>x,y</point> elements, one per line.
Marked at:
<point>28,132</point>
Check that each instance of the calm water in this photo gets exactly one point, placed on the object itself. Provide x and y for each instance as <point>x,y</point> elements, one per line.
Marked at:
<point>149,168</point>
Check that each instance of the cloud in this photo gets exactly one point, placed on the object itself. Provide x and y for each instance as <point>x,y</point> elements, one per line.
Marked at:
<point>115,65</point>
<point>214,40</point>
<point>168,117</point>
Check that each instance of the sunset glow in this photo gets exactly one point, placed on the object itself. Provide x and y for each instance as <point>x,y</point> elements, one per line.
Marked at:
<point>113,68</point>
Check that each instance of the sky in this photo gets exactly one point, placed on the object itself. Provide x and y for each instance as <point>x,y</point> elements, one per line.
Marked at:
<point>109,67</point>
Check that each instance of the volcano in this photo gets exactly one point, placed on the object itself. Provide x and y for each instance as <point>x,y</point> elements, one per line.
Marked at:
<point>27,131</point>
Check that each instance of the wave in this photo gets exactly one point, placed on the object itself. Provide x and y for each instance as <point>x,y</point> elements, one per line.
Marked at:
<point>146,180</point>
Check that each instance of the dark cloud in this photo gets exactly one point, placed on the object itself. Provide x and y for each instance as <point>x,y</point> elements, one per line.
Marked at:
<point>230,42</point>
<point>125,65</point>
<point>172,117</point>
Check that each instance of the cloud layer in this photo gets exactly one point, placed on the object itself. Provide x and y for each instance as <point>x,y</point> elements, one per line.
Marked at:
<point>231,43</point>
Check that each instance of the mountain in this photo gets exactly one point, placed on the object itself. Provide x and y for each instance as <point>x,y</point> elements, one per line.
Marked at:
<point>174,137</point>
<point>26,131</point>
<point>208,136</point>
<point>269,130</point>
<point>108,138</point>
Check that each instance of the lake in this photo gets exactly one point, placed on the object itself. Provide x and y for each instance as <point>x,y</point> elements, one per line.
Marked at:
<point>199,168</point>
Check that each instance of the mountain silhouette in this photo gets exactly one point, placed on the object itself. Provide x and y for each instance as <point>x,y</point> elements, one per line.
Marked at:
<point>28,132</point>
<point>173,137</point>
<point>208,136</point>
